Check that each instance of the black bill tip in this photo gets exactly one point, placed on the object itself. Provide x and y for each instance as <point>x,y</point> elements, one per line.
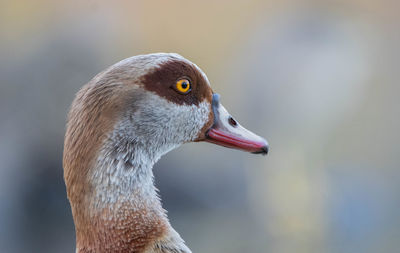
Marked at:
<point>263,151</point>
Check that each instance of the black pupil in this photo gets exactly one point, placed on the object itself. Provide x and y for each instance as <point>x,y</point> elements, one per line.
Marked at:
<point>184,85</point>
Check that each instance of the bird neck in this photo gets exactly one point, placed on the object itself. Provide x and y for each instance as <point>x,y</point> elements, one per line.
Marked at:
<point>121,211</point>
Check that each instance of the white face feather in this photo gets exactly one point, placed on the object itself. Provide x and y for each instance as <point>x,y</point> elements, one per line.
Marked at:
<point>139,139</point>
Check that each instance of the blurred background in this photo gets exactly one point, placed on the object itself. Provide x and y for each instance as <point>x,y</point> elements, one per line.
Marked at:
<point>318,79</point>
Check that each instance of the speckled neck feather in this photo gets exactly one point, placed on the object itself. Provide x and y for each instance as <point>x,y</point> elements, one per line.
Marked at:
<point>125,213</point>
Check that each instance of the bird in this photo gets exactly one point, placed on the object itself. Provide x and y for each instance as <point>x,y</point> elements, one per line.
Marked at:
<point>119,125</point>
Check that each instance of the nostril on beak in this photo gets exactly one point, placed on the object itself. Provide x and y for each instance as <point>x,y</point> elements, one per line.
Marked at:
<point>232,121</point>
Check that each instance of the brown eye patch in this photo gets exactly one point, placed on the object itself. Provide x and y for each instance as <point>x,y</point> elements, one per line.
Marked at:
<point>163,80</point>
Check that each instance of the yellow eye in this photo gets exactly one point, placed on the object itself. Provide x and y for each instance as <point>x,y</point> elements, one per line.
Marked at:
<point>183,86</point>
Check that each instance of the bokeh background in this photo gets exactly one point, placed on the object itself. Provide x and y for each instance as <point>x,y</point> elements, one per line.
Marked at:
<point>318,79</point>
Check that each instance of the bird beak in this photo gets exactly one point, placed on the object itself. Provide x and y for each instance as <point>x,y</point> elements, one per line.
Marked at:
<point>229,133</point>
